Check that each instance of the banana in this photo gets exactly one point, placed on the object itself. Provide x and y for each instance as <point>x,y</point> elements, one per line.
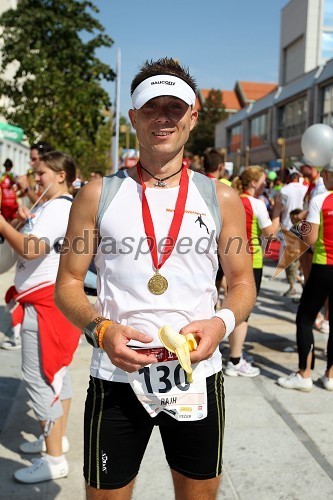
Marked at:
<point>181,345</point>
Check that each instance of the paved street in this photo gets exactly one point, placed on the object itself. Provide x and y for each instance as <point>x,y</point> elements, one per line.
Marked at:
<point>278,443</point>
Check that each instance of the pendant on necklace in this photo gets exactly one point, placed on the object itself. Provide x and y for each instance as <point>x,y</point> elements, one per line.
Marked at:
<point>158,284</point>
<point>159,183</point>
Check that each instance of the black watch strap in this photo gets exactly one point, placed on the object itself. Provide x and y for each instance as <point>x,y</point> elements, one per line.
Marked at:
<point>90,331</point>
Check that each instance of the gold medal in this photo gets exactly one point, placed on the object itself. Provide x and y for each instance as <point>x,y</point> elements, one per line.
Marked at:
<point>157,284</point>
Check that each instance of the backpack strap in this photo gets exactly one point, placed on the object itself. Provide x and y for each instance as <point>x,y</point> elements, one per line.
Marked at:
<point>110,187</point>
<point>207,189</point>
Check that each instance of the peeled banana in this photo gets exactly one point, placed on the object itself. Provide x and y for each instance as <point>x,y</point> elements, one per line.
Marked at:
<point>181,345</point>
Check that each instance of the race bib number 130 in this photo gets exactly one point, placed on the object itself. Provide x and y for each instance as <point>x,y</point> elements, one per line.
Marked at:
<point>164,387</point>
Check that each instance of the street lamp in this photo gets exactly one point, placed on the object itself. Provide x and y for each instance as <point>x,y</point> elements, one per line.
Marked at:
<point>238,160</point>
<point>282,142</point>
<point>224,151</point>
<point>247,156</point>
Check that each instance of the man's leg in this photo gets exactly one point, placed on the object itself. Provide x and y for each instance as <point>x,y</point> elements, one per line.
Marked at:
<point>194,448</point>
<point>193,489</point>
<point>116,432</point>
<point>124,493</point>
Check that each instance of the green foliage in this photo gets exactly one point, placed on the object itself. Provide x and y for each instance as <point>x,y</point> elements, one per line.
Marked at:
<point>98,156</point>
<point>127,139</point>
<point>203,135</point>
<point>56,92</point>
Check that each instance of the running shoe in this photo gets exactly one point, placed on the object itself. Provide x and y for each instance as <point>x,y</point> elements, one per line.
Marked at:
<point>39,446</point>
<point>296,381</point>
<point>42,470</point>
<point>327,383</point>
<point>243,369</point>
<point>11,344</point>
<point>291,291</point>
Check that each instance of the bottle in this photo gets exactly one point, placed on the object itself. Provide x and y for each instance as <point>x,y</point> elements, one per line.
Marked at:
<point>28,226</point>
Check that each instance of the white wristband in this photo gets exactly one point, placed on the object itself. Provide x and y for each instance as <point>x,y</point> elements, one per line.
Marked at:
<point>228,318</point>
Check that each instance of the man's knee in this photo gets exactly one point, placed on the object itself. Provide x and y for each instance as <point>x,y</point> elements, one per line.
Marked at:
<point>195,489</point>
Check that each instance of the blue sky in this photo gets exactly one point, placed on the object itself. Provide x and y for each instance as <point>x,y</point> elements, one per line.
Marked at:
<point>221,41</point>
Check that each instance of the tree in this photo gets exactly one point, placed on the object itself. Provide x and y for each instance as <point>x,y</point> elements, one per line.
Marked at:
<point>56,92</point>
<point>203,135</point>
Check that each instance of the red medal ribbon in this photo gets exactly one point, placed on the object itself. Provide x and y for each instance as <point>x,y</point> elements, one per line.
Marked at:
<point>176,220</point>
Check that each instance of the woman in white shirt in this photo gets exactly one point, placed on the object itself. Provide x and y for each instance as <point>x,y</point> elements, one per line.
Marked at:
<point>49,340</point>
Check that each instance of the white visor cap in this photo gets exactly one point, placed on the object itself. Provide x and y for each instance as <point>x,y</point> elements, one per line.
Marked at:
<point>159,85</point>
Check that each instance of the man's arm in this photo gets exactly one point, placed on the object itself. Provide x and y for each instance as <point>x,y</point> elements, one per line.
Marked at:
<point>80,245</point>
<point>234,252</point>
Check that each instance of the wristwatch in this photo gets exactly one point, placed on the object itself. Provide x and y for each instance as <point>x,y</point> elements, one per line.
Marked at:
<point>90,331</point>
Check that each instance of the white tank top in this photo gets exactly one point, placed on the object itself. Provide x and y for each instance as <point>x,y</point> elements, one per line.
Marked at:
<point>124,266</point>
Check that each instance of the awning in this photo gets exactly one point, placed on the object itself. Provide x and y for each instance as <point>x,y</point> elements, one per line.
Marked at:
<point>10,132</point>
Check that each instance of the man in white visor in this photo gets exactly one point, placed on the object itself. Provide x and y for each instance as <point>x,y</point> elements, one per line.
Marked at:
<point>159,232</point>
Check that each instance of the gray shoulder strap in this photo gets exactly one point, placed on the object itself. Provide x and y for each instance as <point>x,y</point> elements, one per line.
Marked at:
<point>110,187</point>
<point>207,189</point>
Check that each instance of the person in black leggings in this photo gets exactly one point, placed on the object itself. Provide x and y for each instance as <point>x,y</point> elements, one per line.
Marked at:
<point>318,288</point>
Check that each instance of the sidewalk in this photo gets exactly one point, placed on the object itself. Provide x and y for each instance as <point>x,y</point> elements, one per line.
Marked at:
<point>278,443</point>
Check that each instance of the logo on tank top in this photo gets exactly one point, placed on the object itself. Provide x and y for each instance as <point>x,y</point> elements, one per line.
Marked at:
<point>201,222</point>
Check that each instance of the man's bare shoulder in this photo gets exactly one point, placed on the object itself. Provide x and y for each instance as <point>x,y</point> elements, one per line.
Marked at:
<point>226,193</point>
<point>90,192</point>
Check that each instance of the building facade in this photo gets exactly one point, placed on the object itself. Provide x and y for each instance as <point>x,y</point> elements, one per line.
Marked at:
<point>271,128</point>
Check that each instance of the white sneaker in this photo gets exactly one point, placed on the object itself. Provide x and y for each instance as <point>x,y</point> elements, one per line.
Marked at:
<point>243,369</point>
<point>39,446</point>
<point>41,470</point>
<point>327,383</point>
<point>11,344</point>
<point>325,326</point>
<point>296,381</point>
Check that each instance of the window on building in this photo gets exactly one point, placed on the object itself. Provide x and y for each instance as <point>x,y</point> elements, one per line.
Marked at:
<point>258,131</point>
<point>327,105</point>
<point>293,118</point>
<point>327,44</point>
<point>235,139</point>
<point>328,13</point>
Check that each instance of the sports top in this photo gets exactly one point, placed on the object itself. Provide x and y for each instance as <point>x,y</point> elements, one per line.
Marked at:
<point>257,218</point>
<point>321,212</point>
<point>124,266</point>
<point>292,195</point>
<point>50,223</point>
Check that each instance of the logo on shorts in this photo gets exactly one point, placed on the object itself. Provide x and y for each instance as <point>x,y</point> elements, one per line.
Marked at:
<point>104,462</point>
<point>185,409</point>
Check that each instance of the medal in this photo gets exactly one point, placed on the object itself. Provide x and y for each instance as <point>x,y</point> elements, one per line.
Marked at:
<point>158,284</point>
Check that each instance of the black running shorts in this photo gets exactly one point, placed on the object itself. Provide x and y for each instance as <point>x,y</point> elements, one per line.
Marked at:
<point>117,429</point>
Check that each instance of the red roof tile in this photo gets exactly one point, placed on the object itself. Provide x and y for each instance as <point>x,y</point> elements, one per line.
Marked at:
<point>229,99</point>
<point>253,91</point>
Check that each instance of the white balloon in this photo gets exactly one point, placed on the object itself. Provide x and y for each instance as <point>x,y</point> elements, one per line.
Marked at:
<point>317,144</point>
<point>8,257</point>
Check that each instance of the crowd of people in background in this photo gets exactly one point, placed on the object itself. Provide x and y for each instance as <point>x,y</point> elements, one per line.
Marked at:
<point>270,199</point>
<point>283,196</point>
